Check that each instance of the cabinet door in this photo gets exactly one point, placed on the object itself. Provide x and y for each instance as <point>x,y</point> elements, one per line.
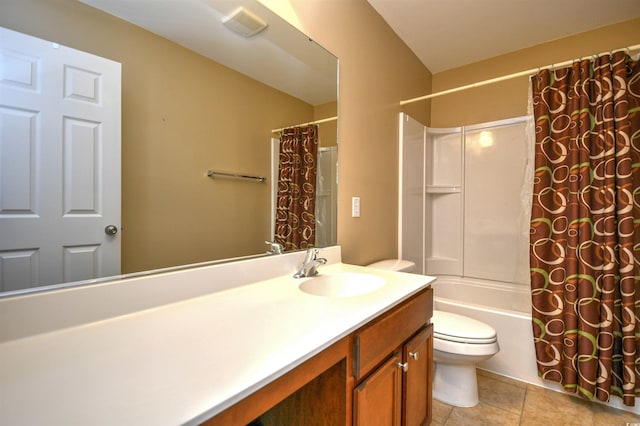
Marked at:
<point>417,354</point>
<point>378,399</point>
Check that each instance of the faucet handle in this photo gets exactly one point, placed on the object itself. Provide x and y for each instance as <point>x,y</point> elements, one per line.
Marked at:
<point>312,254</point>
<point>274,247</point>
<point>310,263</point>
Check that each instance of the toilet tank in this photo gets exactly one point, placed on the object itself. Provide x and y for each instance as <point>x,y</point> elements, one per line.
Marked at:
<point>398,265</point>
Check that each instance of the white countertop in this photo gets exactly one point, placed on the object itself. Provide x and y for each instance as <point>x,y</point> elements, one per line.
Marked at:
<point>183,362</point>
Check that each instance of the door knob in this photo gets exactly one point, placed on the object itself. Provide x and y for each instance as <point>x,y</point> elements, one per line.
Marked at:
<point>403,365</point>
<point>413,355</point>
<point>111,230</point>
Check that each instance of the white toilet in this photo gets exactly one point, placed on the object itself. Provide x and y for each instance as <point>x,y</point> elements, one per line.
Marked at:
<point>459,343</point>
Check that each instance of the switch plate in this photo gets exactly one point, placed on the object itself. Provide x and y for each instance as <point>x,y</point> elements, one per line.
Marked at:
<point>355,206</point>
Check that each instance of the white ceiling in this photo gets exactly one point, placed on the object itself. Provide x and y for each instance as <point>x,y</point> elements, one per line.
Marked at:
<point>446,34</point>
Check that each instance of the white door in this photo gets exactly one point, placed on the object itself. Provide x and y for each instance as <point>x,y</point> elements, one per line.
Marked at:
<point>59,163</point>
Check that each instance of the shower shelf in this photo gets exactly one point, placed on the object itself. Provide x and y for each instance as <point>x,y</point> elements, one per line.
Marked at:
<point>442,189</point>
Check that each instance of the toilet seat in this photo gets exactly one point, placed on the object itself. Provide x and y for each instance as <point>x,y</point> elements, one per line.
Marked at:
<point>460,329</point>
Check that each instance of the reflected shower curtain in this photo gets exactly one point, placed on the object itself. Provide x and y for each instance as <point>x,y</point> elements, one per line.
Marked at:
<point>295,226</point>
<point>585,236</point>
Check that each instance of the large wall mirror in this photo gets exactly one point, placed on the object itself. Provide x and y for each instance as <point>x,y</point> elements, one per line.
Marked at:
<point>195,96</point>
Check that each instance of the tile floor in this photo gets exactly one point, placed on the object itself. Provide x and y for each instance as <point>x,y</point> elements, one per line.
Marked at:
<point>509,402</point>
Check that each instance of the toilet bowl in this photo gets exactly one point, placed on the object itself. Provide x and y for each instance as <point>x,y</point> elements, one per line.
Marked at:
<point>459,344</point>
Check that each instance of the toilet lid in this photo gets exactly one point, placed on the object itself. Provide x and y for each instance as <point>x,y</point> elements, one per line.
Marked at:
<point>458,328</point>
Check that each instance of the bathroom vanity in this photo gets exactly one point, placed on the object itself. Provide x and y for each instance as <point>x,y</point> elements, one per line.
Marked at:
<point>220,345</point>
<point>380,374</point>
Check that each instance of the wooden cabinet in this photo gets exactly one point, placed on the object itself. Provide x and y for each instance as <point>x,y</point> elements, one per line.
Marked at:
<point>392,367</point>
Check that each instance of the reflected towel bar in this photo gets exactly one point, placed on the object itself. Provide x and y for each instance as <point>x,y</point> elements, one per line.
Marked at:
<point>212,173</point>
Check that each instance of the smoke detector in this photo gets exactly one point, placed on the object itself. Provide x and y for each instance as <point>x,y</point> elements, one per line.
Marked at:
<point>244,22</point>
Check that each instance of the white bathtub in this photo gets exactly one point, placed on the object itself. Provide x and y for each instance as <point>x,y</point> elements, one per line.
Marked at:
<point>504,306</point>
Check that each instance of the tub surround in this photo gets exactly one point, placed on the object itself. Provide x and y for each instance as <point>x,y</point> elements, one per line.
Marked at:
<point>175,348</point>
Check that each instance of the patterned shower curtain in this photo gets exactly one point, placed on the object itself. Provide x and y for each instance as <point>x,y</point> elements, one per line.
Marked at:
<point>585,235</point>
<point>295,226</point>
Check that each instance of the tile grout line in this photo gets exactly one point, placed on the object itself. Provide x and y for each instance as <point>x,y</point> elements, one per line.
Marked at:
<point>524,401</point>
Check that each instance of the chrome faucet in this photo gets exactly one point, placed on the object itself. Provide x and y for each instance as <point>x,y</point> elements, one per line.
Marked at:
<point>310,264</point>
<point>274,248</point>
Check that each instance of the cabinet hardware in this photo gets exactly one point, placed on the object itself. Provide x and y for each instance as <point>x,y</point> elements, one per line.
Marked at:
<point>413,355</point>
<point>404,366</point>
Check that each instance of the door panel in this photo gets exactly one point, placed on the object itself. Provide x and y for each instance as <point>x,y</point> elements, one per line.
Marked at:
<point>82,148</point>
<point>417,353</point>
<point>19,269</point>
<point>378,400</point>
<point>18,144</point>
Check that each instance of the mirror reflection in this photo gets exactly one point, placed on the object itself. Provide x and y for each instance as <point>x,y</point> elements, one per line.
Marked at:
<point>195,96</point>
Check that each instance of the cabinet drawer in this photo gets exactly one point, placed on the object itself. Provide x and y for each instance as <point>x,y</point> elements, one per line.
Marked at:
<point>374,342</point>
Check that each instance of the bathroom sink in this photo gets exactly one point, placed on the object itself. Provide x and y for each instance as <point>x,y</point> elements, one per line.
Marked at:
<point>345,284</point>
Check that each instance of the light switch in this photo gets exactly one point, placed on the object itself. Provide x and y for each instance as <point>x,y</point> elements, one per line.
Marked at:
<point>355,206</point>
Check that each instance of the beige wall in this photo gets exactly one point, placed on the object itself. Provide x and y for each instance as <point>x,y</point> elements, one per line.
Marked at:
<point>181,115</point>
<point>327,131</point>
<point>377,71</point>
<point>509,99</point>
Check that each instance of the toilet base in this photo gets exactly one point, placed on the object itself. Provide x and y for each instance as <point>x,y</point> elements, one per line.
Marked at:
<point>456,384</point>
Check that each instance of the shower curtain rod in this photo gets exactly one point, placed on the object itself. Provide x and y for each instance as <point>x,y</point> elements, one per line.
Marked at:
<point>324,120</point>
<point>504,77</point>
